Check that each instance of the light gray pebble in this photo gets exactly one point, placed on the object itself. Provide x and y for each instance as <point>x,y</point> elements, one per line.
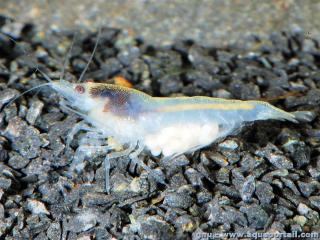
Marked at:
<point>16,161</point>
<point>54,231</point>
<point>178,200</point>
<point>256,216</point>
<point>5,183</point>
<point>7,95</point>
<point>219,213</point>
<point>194,177</point>
<point>83,221</point>
<point>303,209</point>
<point>307,188</point>
<point>229,145</point>
<point>152,227</point>
<point>203,196</point>
<point>290,184</point>
<point>248,189</point>
<point>275,156</point>
<point>223,175</point>
<point>34,111</point>
<point>36,207</point>
<point>218,158</point>
<point>264,192</point>
<point>315,201</point>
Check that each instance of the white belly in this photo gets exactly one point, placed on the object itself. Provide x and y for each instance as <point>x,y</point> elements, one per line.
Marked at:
<point>178,139</point>
<point>123,130</point>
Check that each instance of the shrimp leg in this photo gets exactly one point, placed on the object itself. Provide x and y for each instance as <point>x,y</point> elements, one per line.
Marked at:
<point>134,157</point>
<point>88,148</point>
<point>77,128</point>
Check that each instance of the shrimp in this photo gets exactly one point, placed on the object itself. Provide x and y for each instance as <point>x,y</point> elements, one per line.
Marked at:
<point>170,126</point>
<point>167,126</point>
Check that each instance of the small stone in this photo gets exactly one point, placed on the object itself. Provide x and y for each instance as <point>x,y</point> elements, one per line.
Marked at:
<point>250,163</point>
<point>36,207</point>
<point>7,95</point>
<point>314,172</point>
<point>185,223</point>
<point>5,183</point>
<point>170,84</point>
<point>222,93</point>
<point>1,211</point>
<point>194,177</point>
<point>248,189</point>
<point>51,193</point>
<point>315,201</point>
<point>232,156</point>
<point>203,80</point>
<point>301,220</point>
<point>16,161</point>
<point>308,188</point>
<point>22,111</point>
<point>54,231</point>
<point>290,184</point>
<point>103,234</point>
<point>2,119</point>
<point>303,209</point>
<point>85,237</point>
<point>128,55</point>
<point>83,221</point>
<point>274,156</point>
<point>1,193</point>
<point>223,214</point>
<point>264,192</point>
<point>203,197</point>
<point>218,158</point>
<point>10,112</point>
<point>3,154</point>
<point>152,227</point>
<point>178,200</point>
<point>15,128</point>
<point>178,180</point>
<point>174,165</point>
<point>223,175</point>
<point>34,111</point>
<point>237,178</point>
<point>299,152</point>
<point>281,210</point>
<point>229,145</point>
<point>36,167</point>
<point>280,161</point>
<point>231,192</point>
<point>256,216</point>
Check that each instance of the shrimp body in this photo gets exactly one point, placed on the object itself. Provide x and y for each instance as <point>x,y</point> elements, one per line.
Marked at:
<point>170,126</point>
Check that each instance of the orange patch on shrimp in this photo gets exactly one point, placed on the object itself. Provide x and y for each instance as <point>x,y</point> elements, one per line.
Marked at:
<point>121,81</point>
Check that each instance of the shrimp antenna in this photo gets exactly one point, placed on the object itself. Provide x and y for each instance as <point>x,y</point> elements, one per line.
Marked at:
<point>29,90</point>
<point>65,62</point>
<point>91,57</point>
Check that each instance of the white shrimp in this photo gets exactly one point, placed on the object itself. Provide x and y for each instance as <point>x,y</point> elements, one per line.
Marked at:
<point>167,126</point>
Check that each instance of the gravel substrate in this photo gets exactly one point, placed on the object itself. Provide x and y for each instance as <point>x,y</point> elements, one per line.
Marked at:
<point>265,179</point>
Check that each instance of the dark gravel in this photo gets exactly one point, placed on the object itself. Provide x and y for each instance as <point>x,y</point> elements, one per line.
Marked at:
<point>264,179</point>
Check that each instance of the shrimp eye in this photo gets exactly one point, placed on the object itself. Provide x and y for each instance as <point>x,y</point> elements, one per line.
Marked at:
<point>79,89</point>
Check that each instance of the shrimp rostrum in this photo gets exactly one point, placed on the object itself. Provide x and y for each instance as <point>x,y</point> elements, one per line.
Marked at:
<point>167,126</point>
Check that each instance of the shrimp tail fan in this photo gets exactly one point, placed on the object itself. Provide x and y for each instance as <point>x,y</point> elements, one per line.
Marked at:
<point>304,116</point>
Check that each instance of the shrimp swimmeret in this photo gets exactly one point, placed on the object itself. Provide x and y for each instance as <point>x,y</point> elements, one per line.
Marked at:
<point>162,125</point>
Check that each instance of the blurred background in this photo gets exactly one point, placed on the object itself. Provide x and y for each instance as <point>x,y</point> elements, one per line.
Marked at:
<point>208,22</point>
